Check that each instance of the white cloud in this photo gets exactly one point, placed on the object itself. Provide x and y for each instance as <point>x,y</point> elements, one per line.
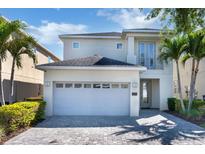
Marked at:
<point>129,18</point>
<point>47,33</point>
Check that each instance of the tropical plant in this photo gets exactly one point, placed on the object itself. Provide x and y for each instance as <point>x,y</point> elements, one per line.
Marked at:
<point>183,19</point>
<point>18,46</point>
<point>6,29</point>
<point>195,51</point>
<point>172,49</point>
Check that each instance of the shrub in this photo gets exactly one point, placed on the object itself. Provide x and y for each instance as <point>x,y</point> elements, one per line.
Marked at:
<point>202,109</point>
<point>193,114</point>
<point>2,133</point>
<point>21,114</point>
<point>197,104</point>
<point>171,104</point>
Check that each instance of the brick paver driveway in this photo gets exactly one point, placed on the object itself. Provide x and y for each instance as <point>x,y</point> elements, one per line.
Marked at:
<point>152,127</point>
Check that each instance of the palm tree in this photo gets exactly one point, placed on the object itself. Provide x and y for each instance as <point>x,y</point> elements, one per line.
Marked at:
<point>195,51</point>
<point>6,29</point>
<point>172,49</point>
<point>18,46</point>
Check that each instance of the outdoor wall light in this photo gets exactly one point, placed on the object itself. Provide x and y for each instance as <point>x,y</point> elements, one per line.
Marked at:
<point>134,85</point>
<point>47,83</point>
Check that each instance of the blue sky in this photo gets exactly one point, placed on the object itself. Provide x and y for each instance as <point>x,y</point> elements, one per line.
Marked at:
<point>46,24</point>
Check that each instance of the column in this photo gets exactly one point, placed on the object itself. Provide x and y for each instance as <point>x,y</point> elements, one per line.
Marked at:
<point>131,58</point>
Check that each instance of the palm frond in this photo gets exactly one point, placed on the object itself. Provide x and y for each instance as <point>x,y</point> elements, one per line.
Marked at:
<point>22,45</point>
<point>172,48</point>
<point>184,58</point>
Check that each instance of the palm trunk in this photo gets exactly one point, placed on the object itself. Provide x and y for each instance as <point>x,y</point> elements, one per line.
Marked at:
<point>1,86</point>
<point>195,76</point>
<point>191,90</point>
<point>11,86</point>
<point>179,87</point>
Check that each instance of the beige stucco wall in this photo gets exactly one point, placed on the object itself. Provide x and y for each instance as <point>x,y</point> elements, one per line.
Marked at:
<point>186,76</point>
<point>90,47</point>
<point>129,53</point>
<point>28,80</point>
<point>155,94</point>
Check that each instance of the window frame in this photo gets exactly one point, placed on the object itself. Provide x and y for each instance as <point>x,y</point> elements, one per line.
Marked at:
<point>67,84</point>
<point>59,84</point>
<point>87,84</point>
<point>97,84</point>
<point>74,85</point>
<point>147,47</point>
<point>74,43</point>
<point>106,87</point>
<point>124,84</point>
<point>118,44</point>
<point>115,84</point>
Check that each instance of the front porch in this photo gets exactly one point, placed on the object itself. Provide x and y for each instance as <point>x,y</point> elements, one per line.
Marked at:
<point>149,94</point>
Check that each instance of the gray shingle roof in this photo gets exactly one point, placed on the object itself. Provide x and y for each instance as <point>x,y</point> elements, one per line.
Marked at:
<point>89,61</point>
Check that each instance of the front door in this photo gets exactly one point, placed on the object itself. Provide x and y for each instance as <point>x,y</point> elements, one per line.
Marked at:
<point>145,93</point>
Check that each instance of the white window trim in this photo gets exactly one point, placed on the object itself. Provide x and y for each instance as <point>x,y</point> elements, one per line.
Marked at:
<point>79,87</point>
<point>119,43</point>
<point>69,83</point>
<point>73,44</point>
<point>59,87</point>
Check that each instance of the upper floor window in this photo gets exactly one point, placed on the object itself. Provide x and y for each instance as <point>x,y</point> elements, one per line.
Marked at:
<point>147,54</point>
<point>76,45</point>
<point>119,46</point>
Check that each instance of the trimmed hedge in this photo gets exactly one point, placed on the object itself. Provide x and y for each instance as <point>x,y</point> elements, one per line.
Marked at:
<point>171,104</point>
<point>20,115</point>
<point>174,104</point>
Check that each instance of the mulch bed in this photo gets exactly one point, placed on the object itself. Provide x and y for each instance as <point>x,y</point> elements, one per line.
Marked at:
<point>197,122</point>
<point>13,134</point>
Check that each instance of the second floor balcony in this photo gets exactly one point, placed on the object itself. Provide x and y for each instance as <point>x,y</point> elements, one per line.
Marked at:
<point>147,55</point>
<point>144,52</point>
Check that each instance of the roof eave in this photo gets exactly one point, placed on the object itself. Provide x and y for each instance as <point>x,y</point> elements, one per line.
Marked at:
<point>84,36</point>
<point>141,31</point>
<point>120,68</point>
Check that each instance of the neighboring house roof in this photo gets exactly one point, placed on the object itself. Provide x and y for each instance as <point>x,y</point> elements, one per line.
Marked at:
<point>92,61</point>
<point>43,50</point>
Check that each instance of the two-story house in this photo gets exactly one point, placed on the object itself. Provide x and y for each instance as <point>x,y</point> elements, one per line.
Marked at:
<point>108,74</point>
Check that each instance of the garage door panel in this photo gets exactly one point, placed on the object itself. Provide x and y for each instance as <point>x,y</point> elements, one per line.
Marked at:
<point>91,101</point>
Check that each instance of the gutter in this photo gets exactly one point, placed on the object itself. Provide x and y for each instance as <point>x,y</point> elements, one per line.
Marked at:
<point>117,68</point>
<point>84,36</point>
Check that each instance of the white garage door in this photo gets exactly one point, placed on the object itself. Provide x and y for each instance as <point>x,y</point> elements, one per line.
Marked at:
<point>91,98</point>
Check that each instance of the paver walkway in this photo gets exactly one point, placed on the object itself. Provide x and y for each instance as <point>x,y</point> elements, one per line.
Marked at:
<point>151,127</point>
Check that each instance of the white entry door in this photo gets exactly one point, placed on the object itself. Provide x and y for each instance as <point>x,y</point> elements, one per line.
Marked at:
<point>80,98</point>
